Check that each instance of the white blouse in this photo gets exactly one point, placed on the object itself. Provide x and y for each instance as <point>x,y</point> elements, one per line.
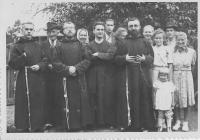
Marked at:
<point>161,56</point>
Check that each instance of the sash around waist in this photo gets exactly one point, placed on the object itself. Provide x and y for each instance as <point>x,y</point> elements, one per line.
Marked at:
<point>176,68</point>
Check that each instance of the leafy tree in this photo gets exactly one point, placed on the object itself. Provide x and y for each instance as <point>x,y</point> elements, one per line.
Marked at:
<point>155,13</point>
<point>11,34</point>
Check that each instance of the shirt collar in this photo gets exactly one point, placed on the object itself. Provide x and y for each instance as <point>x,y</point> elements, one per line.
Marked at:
<point>98,41</point>
<point>54,42</point>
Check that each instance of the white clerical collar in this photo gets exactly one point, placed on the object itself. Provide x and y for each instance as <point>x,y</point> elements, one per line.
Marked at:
<point>54,42</point>
<point>98,41</point>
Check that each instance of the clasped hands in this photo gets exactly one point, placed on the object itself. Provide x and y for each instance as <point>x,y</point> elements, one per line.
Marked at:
<point>72,70</point>
<point>33,67</point>
<point>95,54</point>
<point>135,59</point>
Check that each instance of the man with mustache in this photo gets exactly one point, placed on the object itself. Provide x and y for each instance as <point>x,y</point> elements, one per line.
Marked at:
<point>139,59</point>
<point>72,64</point>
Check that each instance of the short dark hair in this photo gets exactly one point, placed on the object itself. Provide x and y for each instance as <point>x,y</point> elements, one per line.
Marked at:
<point>98,23</point>
<point>69,22</point>
<point>110,19</point>
<point>27,23</point>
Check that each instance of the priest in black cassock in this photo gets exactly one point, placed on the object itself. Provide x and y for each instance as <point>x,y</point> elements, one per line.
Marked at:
<point>72,64</point>
<point>139,59</point>
<point>100,80</point>
<point>28,58</point>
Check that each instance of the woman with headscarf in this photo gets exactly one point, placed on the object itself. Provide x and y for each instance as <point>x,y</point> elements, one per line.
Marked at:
<point>83,36</point>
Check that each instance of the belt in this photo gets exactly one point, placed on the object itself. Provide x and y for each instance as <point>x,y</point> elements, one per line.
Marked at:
<point>182,68</point>
<point>160,66</point>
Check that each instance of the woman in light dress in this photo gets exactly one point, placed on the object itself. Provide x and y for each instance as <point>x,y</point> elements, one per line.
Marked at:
<point>183,61</point>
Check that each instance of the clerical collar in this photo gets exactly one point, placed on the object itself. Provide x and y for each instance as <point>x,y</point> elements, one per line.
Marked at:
<point>52,43</point>
<point>98,41</point>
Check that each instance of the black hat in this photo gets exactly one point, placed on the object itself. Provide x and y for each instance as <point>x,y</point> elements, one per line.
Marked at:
<point>171,24</point>
<point>52,25</point>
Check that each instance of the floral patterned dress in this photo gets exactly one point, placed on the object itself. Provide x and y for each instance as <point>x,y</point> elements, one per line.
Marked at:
<point>182,77</point>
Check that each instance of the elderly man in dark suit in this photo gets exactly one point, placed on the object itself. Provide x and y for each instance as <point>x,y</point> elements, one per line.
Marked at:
<point>54,100</point>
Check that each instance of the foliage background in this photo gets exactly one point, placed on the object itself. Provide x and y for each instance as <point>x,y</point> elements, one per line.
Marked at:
<point>83,14</point>
<point>154,13</point>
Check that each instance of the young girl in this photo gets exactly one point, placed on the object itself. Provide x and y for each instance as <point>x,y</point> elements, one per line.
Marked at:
<point>164,90</point>
<point>162,60</point>
<point>183,61</point>
<point>161,55</point>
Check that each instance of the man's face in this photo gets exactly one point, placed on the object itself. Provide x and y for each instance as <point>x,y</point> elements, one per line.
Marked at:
<point>148,33</point>
<point>28,30</point>
<point>53,34</point>
<point>69,29</point>
<point>170,32</point>
<point>109,26</point>
<point>134,25</point>
<point>99,31</point>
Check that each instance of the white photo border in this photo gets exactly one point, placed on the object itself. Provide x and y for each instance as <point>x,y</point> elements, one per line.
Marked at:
<point>73,136</point>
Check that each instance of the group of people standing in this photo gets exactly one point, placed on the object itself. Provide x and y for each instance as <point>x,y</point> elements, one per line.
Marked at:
<point>122,80</point>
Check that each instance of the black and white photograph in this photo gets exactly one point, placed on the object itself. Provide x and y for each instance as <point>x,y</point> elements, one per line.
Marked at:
<point>79,67</point>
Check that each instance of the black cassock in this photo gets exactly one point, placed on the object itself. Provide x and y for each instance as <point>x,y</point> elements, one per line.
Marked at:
<point>36,84</point>
<point>120,81</point>
<point>139,81</point>
<point>100,76</point>
<point>71,53</point>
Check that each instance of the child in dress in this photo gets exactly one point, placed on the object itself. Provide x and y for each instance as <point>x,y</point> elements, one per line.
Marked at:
<point>162,60</point>
<point>164,90</point>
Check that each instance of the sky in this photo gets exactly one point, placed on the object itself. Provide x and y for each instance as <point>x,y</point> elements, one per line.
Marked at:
<point>24,11</point>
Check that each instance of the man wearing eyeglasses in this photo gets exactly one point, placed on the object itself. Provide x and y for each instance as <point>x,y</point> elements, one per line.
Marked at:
<point>28,58</point>
<point>139,59</point>
<point>72,64</point>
